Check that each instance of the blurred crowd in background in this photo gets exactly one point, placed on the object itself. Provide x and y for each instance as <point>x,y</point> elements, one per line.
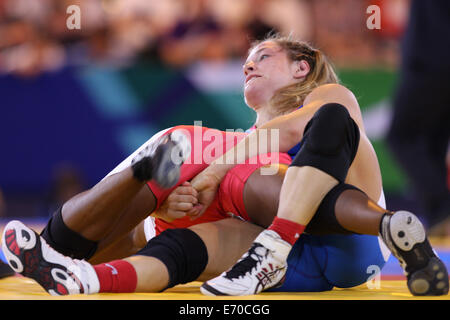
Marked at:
<point>34,37</point>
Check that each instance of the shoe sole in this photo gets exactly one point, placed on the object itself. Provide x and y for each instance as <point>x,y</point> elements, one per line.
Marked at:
<point>431,280</point>
<point>406,230</point>
<point>22,248</point>
<point>408,234</point>
<point>170,156</point>
<point>17,240</point>
<point>207,290</point>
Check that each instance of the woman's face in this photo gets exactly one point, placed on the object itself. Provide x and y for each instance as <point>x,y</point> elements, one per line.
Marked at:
<point>267,69</point>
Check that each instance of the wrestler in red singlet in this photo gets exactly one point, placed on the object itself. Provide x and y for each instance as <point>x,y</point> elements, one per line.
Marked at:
<point>207,144</point>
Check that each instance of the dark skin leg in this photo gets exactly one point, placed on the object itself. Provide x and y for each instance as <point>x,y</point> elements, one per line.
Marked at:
<point>114,247</point>
<point>261,196</point>
<point>114,205</point>
<point>354,210</point>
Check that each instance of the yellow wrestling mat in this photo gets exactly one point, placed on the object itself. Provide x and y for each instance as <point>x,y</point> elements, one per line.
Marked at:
<point>20,288</point>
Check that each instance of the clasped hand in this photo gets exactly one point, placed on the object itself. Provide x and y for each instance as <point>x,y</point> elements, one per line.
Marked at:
<point>190,198</point>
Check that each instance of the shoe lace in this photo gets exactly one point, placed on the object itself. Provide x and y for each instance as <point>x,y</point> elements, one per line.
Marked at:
<point>78,268</point>
<point>248,262</point>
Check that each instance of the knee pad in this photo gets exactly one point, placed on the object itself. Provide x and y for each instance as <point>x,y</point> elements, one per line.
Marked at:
<point>66,241</point>
<point>183,253</point>
<point>324,221</point>
<point>330,141</point>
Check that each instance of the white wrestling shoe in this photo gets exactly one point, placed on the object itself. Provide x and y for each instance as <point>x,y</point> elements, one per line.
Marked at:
<point>405,236</point>
<point>162,160</point>
<point>261,268</point>
<point>28,254</point>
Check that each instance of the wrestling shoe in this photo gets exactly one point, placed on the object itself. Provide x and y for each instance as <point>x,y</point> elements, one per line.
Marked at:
<point>260,268</point>
<point>28,254</point>
<point>162,160</point>
<point>405,236</point>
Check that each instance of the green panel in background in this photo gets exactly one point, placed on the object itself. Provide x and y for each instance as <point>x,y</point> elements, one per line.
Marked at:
<point>196,107</point>
<point>148,80</point>
<point>232,107</point>
<point>394,179</point>
<point>110,91</point>
<point>370,85</point>
<point>132,137</point>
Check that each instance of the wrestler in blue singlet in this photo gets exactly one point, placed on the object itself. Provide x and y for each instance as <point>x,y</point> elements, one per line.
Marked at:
<point>319,263</point>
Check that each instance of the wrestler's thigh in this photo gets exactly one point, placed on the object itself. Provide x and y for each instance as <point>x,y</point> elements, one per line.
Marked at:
<point>261,195</point>
<point>226,241</point>
<point>139,208</point>
<point>122,247</point>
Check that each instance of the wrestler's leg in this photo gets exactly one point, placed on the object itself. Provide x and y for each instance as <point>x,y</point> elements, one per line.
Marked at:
<point>118,247</point>
<point>96,218</point>
<point>354,210</point>
<point>77,228</point>
<point>262,194</point>
<point>225,240</point>
<point>94,213</point>
<point>141,206</point>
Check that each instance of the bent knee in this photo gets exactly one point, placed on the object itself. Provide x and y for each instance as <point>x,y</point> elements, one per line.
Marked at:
<point>329,127</point>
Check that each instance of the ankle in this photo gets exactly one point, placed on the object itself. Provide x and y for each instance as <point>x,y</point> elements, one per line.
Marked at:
<point>117,276</point>
<point>288,230</point>
<point>384,223</point>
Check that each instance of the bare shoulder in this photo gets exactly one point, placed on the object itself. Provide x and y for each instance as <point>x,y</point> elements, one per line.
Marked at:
<point>332,92</point>
<point>336,93</point>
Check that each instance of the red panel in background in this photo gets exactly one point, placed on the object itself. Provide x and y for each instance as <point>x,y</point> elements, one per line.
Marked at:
<point>394,16</point>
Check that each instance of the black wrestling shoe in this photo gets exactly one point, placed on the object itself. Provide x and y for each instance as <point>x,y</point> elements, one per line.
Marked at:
<point>5,270</point>
<point>405,236</point>
<point>162,160</point>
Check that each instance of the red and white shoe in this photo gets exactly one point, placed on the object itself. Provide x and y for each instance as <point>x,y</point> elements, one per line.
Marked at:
<point>28,254</point>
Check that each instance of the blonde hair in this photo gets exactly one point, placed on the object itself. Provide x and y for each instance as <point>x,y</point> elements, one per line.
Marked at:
<point>321,72</point>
